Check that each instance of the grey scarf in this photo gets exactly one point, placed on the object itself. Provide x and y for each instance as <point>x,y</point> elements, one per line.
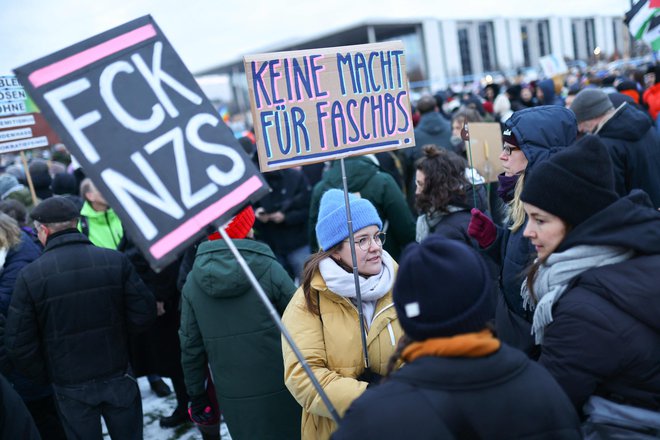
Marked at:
<point>558,270</point>
<point>427,222</point>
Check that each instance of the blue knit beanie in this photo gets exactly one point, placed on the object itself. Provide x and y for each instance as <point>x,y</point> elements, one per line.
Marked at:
<point>443,288</point>
<point>332,226</point>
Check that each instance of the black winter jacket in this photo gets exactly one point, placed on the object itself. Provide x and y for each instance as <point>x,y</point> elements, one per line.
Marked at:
<point>541,132</point>
<point>290,194</point>
<point>71,310</point>
<point>634,147</point>
<point>605,335</point>
<point>501,396</point>
<point>15,419</point>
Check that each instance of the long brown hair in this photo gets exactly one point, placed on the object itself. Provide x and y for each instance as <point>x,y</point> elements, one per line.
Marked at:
<point>404,342</point>
<point>444,180</point>
<point>311,265</point>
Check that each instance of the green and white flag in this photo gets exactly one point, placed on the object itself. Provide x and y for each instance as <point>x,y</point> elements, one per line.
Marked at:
<point>639,18</point>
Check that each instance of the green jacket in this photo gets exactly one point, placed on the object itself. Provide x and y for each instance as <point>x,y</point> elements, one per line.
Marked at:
<point>366,178</point>
<point>103,228</point>
<point>223,320</point>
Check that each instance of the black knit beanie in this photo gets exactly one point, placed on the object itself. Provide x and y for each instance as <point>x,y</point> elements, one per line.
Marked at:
<point>574,184</point>
<point>443,288</point>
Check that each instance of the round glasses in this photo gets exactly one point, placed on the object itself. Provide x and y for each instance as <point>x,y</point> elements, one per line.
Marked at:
<point>364,243</point>
<point>509,148</point>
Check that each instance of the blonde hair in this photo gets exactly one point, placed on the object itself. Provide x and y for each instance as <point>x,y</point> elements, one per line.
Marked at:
<point>515,212</point>
<point>10,233</point>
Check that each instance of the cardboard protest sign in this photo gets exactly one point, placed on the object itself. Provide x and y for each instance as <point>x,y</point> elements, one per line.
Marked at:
<point>312,105</point>
<point>21,125</point>
<point>486,144</point>
<point>134,117</point>
<point>553,65</point>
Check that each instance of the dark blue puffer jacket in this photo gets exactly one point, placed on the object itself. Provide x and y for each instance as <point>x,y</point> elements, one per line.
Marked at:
<point>541,132</point>
<point>605,335</point>
<point>17,258</point>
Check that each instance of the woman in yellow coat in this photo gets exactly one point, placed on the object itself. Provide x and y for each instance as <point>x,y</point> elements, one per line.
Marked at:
<point>322,316</point>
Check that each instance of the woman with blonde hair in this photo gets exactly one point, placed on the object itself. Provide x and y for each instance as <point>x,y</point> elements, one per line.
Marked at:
<point>323,316</point>
<point>530,137</point>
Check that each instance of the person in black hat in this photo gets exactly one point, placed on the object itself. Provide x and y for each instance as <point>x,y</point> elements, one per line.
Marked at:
<point>68,324</point>
<point>457,374</point>
<point>593,290</point>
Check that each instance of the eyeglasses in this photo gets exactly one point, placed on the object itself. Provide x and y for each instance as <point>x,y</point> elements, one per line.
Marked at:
<point>364,243</point>
<point>509,148</point>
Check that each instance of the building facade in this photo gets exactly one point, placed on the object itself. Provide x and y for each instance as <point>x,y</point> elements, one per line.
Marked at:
<point>444,52</point>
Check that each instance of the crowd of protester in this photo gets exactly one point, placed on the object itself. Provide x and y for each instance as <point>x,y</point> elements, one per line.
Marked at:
<point>525,307</point>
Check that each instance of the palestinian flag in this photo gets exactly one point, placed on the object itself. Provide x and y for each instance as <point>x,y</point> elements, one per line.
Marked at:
<point>643,22</point>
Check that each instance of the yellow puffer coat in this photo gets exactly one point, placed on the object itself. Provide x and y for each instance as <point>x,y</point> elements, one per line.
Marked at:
<point>332,346</point>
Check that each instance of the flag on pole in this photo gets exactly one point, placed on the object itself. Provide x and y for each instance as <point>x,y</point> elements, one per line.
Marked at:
<point>643,21</point>
<point>652,34</point>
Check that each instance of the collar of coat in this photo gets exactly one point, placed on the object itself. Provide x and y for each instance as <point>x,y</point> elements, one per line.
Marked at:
<point>318,284</point>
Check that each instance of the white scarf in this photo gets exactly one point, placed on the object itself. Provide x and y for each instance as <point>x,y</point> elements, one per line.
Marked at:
<point>372,288</point>
<point>555,274</point>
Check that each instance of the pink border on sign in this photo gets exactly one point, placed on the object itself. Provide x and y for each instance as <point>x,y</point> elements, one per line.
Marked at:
<point>193,225</point>
<point>70,64</point>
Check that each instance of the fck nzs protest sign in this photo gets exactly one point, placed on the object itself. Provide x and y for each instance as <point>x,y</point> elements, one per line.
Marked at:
<point>134,117</point>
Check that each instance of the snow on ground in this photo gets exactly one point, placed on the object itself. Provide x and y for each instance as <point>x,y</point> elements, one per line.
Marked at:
<point>155,407</point>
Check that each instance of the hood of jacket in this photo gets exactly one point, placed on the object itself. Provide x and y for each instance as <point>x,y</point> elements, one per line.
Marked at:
<point>433,123</point>
<point>89,212</point>
<point>630,222</point>
<point>359,170</point>
<point>542,131</point>
<point>627,124</point>
<point>217,273</point>
<point>548,88</point>
<point>633,223</point>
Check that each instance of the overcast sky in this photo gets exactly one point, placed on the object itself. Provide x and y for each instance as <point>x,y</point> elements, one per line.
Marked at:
<point>207,33</point>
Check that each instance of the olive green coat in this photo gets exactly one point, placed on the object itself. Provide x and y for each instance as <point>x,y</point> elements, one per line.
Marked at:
<point>222,318</point>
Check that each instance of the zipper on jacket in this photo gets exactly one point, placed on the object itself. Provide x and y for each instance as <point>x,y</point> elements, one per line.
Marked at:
<point>112,235</point>
<point>382,310</point>
<point>391,331</point>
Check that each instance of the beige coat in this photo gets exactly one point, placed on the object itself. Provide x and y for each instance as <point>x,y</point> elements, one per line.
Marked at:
<point>332,347</point>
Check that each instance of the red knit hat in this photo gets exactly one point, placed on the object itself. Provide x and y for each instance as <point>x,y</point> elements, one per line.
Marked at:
<point>239,226</point>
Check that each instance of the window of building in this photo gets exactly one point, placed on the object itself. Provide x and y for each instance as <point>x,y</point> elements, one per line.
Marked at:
<point>487,45</point>
<point>615,36</point>
<point>543,27</point>
<point>590,33</point>
<point>524,36</point>
<point>464,46</point>
<point>576,47</point>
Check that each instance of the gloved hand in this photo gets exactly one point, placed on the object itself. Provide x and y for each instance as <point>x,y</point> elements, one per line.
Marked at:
<point>370,377</point>
<point>201,411</point>
<point>482,228</point>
